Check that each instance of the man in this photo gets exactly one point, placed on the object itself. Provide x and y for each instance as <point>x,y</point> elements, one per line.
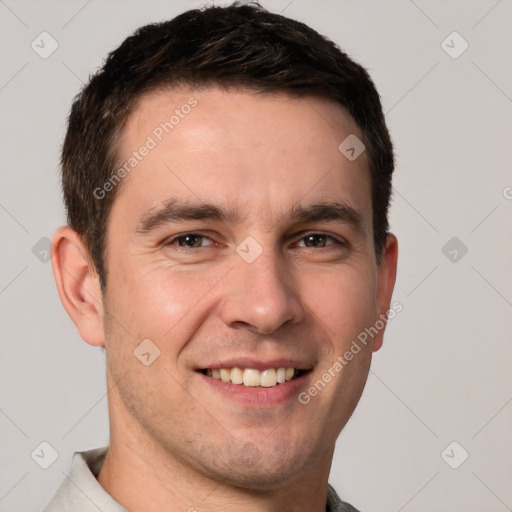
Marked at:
<point>227,178</point>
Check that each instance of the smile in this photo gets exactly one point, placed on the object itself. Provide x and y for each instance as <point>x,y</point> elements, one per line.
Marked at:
<point>251,377</point>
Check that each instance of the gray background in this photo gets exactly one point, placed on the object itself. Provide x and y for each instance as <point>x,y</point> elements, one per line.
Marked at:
<point>443,374</point>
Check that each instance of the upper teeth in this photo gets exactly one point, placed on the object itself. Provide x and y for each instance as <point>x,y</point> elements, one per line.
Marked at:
<point>252,377</point>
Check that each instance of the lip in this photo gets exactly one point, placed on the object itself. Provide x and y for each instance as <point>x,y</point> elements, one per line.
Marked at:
<point>257,396</point>
<point>258,364</point>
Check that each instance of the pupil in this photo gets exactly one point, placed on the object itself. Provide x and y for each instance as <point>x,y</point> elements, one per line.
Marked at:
<point>190,241</point>
<point>315,240</point>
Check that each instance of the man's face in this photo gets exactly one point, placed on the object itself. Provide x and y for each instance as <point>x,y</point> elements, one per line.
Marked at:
<point>263,259</point>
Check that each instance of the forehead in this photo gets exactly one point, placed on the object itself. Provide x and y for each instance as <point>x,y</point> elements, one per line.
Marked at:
<point>240,149</point>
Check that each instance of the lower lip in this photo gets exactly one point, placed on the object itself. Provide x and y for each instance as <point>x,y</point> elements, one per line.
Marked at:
<point>258,396</point>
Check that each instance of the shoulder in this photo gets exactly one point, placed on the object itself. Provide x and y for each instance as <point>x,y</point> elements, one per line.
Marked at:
<point>334,503</point>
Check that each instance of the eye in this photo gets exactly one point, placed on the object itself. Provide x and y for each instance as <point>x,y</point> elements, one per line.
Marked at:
<point>190,241</point>
<point>318,240</point>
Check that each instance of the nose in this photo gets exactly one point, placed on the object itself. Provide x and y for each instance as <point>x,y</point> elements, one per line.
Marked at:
<point>260,295</point>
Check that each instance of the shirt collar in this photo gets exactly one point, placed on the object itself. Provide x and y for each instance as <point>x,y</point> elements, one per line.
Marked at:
<point>80,491</point>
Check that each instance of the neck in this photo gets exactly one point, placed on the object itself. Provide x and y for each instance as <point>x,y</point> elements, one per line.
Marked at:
<point>143,477</point>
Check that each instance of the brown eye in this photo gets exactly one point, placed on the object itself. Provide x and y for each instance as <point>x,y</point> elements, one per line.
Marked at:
<point>317,240</point>
<point>191,240</point>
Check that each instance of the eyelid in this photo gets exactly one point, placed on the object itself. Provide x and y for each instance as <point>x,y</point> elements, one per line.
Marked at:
<point>172,239</point>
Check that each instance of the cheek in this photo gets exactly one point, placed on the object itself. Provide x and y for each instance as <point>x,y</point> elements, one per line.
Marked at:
<point>345,302</point>
<point>163,303</point>
<point>344,299</point>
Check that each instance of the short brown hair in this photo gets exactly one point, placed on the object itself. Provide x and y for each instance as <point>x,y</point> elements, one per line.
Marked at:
<point>236,46</point>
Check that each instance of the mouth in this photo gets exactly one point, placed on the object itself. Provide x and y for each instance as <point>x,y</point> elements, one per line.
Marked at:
<point>254,378</point>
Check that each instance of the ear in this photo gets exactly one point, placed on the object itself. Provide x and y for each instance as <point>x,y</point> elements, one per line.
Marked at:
<point>386,276</point>
<point>78,285</point>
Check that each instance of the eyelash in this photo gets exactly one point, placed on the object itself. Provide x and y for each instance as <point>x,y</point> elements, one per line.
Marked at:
<point>337,241</point>
<point>174,239</point>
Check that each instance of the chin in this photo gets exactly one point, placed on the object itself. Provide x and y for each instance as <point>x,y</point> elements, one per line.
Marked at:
<point>259,466</point>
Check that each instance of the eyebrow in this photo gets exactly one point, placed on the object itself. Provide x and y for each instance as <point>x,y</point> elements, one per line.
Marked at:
<point>328,211</point>
<point>175,210</point>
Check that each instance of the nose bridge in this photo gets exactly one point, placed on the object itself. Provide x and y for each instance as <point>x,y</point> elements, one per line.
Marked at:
<point>261,292</point>
<point>265,279</point>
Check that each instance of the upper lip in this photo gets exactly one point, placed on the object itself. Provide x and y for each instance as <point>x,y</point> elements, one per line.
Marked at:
<point>258,363</point>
